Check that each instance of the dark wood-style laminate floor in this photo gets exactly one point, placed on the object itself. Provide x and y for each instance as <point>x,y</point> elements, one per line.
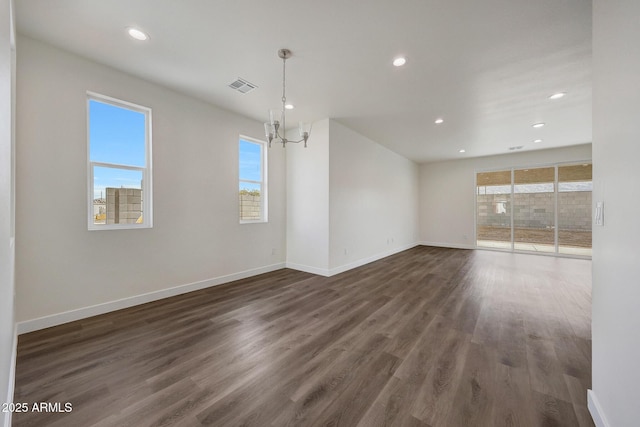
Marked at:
<point>428,337</point>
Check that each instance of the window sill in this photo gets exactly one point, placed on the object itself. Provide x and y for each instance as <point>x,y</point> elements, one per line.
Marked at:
<point>256,221</point>
<point>119,227</point>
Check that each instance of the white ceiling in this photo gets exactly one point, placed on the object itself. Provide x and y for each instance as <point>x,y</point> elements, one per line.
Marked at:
<point>487,67</point>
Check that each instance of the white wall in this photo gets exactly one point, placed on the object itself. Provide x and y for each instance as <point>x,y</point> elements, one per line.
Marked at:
<point>616,253</point>
<point>373,199</point>
<point>7,329</point>
<point>196,236</point>
<point>350,201</point>
<point>447,192</point>
<point>308,201</point>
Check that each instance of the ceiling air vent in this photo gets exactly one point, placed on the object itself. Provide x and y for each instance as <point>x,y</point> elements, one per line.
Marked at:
<point>242,86</point>
<point>517,147</point>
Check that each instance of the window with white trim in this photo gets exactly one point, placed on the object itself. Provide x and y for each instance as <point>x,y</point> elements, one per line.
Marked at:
<point>119,164</point>
<point>252,180</point>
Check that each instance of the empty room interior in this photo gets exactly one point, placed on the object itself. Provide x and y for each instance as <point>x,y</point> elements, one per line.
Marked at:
<point>299,213</point>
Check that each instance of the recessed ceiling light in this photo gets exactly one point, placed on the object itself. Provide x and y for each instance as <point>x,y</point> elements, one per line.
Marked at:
<point>462,150</point>
<point>400,61</point>
<point>538,125</point>
<point>537,141</point>
<point>137,34</point>
<point>289,106</point>
<point>557,95</point>
<point>438,121</point>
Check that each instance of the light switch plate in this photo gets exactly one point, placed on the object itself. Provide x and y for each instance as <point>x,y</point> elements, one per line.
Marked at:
<point>598,218</point>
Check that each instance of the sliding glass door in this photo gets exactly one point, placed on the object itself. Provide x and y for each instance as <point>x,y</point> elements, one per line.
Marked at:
<point>537,209</point>
<point>574,209</point>
<point>534,209</point>
<point>493,196</point>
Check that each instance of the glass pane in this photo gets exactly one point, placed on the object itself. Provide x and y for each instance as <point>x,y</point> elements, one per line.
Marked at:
<point>493,199</point>
<point>116,134</point>
<point>117,196</point>
<point>250,161</point>
<point>534,209</point>
<point>574,209</point>
<point>250,201</point>
<point>575,173</point>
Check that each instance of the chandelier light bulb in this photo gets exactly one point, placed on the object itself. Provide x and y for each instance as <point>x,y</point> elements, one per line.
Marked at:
<point>275,117</point>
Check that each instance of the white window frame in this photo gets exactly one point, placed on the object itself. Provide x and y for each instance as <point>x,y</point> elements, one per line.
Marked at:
<point>264,193</point>
<point>147,200</point>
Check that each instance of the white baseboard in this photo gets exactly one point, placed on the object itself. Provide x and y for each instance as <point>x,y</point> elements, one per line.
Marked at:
<point>341,269</point>
<point>448,245</point>
<point>595,409</point>
<point>363,261</point>
<point>308,269</point>
<point>12,376</point>
<point>82,313</point>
